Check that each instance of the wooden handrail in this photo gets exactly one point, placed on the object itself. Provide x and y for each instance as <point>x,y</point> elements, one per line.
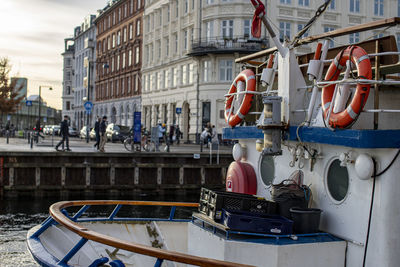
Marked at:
<point>55,212</point>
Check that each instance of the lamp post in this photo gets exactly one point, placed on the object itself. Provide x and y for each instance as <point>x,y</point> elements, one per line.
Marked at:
<point>40,103</point>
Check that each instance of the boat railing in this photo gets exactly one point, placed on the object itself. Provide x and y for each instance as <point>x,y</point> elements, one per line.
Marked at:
<point>58,214</point>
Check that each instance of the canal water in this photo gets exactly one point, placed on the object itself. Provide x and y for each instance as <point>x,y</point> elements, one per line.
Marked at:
<point>17,216</point>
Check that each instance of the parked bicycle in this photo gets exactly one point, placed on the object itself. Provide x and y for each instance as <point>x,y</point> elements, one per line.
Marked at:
<point>145,145</point>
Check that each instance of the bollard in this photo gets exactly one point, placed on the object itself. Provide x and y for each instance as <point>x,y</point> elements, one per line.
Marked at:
<point>8,136</point>
<point>32,142</point>
<point>29,137</point>
<point>201,146</point>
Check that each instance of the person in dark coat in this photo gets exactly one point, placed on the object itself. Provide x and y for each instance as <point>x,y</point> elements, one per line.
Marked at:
<point>103,137</point>
<point>178,134</point>
<point>97,131</point>
<point>64,132</point>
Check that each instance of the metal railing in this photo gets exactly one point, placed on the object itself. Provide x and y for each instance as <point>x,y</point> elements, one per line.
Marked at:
<point>59,215</point>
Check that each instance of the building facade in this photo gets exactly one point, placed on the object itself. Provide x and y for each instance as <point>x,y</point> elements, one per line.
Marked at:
<point>84,73</point>
<point>188,60</point>
<point>67,84</point>
<point>119,60</point>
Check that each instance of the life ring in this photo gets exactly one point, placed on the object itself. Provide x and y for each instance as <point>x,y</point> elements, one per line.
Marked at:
<point>247,76</point>
<point>360,58</point>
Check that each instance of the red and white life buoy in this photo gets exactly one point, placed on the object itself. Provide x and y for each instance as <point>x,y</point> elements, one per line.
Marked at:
<point>360,58</point>
<point>233,118</point>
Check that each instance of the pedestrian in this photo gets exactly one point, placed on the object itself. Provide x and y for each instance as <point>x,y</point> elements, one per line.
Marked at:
<point>64,127</point>
<point>171,134</point>
<point>178,134</point>
<point>103,137</point>
<point>97,131</point>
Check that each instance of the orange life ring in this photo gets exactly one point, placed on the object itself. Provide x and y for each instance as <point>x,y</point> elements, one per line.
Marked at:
<point>360,58</point>
<point>247,76</point>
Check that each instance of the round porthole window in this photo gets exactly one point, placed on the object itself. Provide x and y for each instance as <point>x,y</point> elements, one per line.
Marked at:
<point>267,169</point>
<point>337,181</point>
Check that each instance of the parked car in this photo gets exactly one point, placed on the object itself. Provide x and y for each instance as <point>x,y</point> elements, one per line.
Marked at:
<point>117,132</point>
<point>73,132</point>
<point>55,129</point>
<point>46,129</point>
<point>82,133</point>
<point>92,134</point>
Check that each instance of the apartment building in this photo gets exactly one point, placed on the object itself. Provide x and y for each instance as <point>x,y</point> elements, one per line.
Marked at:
<point>189,49</point>
<point>118,61</point>
<point>68,68</point>
<point>84,40</point>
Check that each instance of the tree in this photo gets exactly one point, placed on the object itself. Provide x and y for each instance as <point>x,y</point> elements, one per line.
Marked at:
<point>9,91</point>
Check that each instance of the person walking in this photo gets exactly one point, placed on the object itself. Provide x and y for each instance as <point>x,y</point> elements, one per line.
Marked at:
<point>97,131</point>
<point>171,134</point>
<point>103,137</point>
<point>178,134</point>
<point>64,132</point>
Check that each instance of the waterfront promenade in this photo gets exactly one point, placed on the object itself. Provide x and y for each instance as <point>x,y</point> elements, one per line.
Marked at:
<point>80,145</point>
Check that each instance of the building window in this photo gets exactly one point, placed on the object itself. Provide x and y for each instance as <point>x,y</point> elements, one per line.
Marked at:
<point>128,81</point>
<point>130,58</point>
<point>169,13</point>
<point>186,6</point>
<point>68,105</point>
<point>125,35</point>
<point>137,55</point>
<point>227,28</point>
<point>185,40</point>
<point>160,80</point>
<point>332,5</point>
<point>123,60</point>
<point>113,40</point>
<point>328,29</point>
<point>355,6</point>
<point>138,27</point>
<point>300,27</point>
<point>287,2</point>
<point>159,49</point>
<point>130,31</point>
<point>174,77</point>
<point>304,3</point>
<point>190,73</point>
<point>167,46</point>
<point>176,43</point>
<point>184,74</point>
<point>118,37</point>
<point>139,4</point>
<point>246,29</point>
<point>122,86</point>
<point>160,18</point>
<point>378,7</point>
<point>177,8</point>
<point>207,71</point>
<point>155,80</point>
<point>131,7</point>
<point>118,62</point>
<point>165,74</point>
<point>354,38</point>
<point>209,2</point>
<point>225,70</point>
<point>284,30</point>
<point>210,30</point>
<point>398,8</point>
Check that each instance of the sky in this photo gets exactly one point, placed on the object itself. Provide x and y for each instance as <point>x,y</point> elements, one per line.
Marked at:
<point>32,37</point>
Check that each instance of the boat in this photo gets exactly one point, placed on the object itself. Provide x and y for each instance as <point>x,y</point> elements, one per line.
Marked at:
<point>327,119</point>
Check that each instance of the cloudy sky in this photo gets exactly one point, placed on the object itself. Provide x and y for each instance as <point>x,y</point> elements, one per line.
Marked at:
<point>32,36</point>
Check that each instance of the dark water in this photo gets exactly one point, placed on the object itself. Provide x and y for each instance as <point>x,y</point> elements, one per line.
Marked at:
<point>17,216</point>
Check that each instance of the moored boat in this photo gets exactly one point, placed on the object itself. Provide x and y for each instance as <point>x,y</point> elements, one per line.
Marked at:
<point>325,122</point>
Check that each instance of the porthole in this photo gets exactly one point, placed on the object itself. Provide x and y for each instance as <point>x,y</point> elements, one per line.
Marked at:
<point>267,169</point>
<point>337,181</point>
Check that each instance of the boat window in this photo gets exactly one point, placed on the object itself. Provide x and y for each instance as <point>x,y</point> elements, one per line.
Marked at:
<point>337,181</point>
<point>267,169</point>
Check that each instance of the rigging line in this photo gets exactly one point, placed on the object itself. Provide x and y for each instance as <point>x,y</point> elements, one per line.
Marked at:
<point>381,31</point>
<point>370,215</point>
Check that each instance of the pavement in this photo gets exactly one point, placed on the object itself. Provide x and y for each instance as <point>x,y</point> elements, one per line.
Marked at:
<point>80,145</point>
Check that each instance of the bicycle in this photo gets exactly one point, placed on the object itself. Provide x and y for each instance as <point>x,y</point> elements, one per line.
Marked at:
<point>145,144</point>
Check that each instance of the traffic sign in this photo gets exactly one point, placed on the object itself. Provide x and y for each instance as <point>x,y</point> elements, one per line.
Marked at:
<point>88,106</point>
<point>28,103</point>
<point>178,110</point>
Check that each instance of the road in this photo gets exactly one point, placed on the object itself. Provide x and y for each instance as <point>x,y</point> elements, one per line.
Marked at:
<point>79,145</point>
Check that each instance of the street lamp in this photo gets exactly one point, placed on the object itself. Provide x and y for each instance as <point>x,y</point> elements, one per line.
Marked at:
<point>40,103</point>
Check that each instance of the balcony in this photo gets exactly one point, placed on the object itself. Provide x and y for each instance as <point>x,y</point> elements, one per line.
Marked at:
<point>227,45</point>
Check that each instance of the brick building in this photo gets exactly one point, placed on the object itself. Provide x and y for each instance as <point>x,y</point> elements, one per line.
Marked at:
<point>118,61</point>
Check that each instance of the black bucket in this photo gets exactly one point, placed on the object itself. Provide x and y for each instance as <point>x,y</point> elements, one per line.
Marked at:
<point>286,205</point>
<point>305,220</point>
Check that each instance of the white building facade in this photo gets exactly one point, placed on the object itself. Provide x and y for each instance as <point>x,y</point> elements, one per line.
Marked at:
<point>68,70</point>
<point>84,38</point>
<point>189,49</point>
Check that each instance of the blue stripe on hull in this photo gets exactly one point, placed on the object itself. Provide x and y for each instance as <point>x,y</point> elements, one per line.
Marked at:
<point>348,137</point>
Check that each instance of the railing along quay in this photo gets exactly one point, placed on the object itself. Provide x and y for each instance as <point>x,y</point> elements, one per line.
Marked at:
<point>43,174</point>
